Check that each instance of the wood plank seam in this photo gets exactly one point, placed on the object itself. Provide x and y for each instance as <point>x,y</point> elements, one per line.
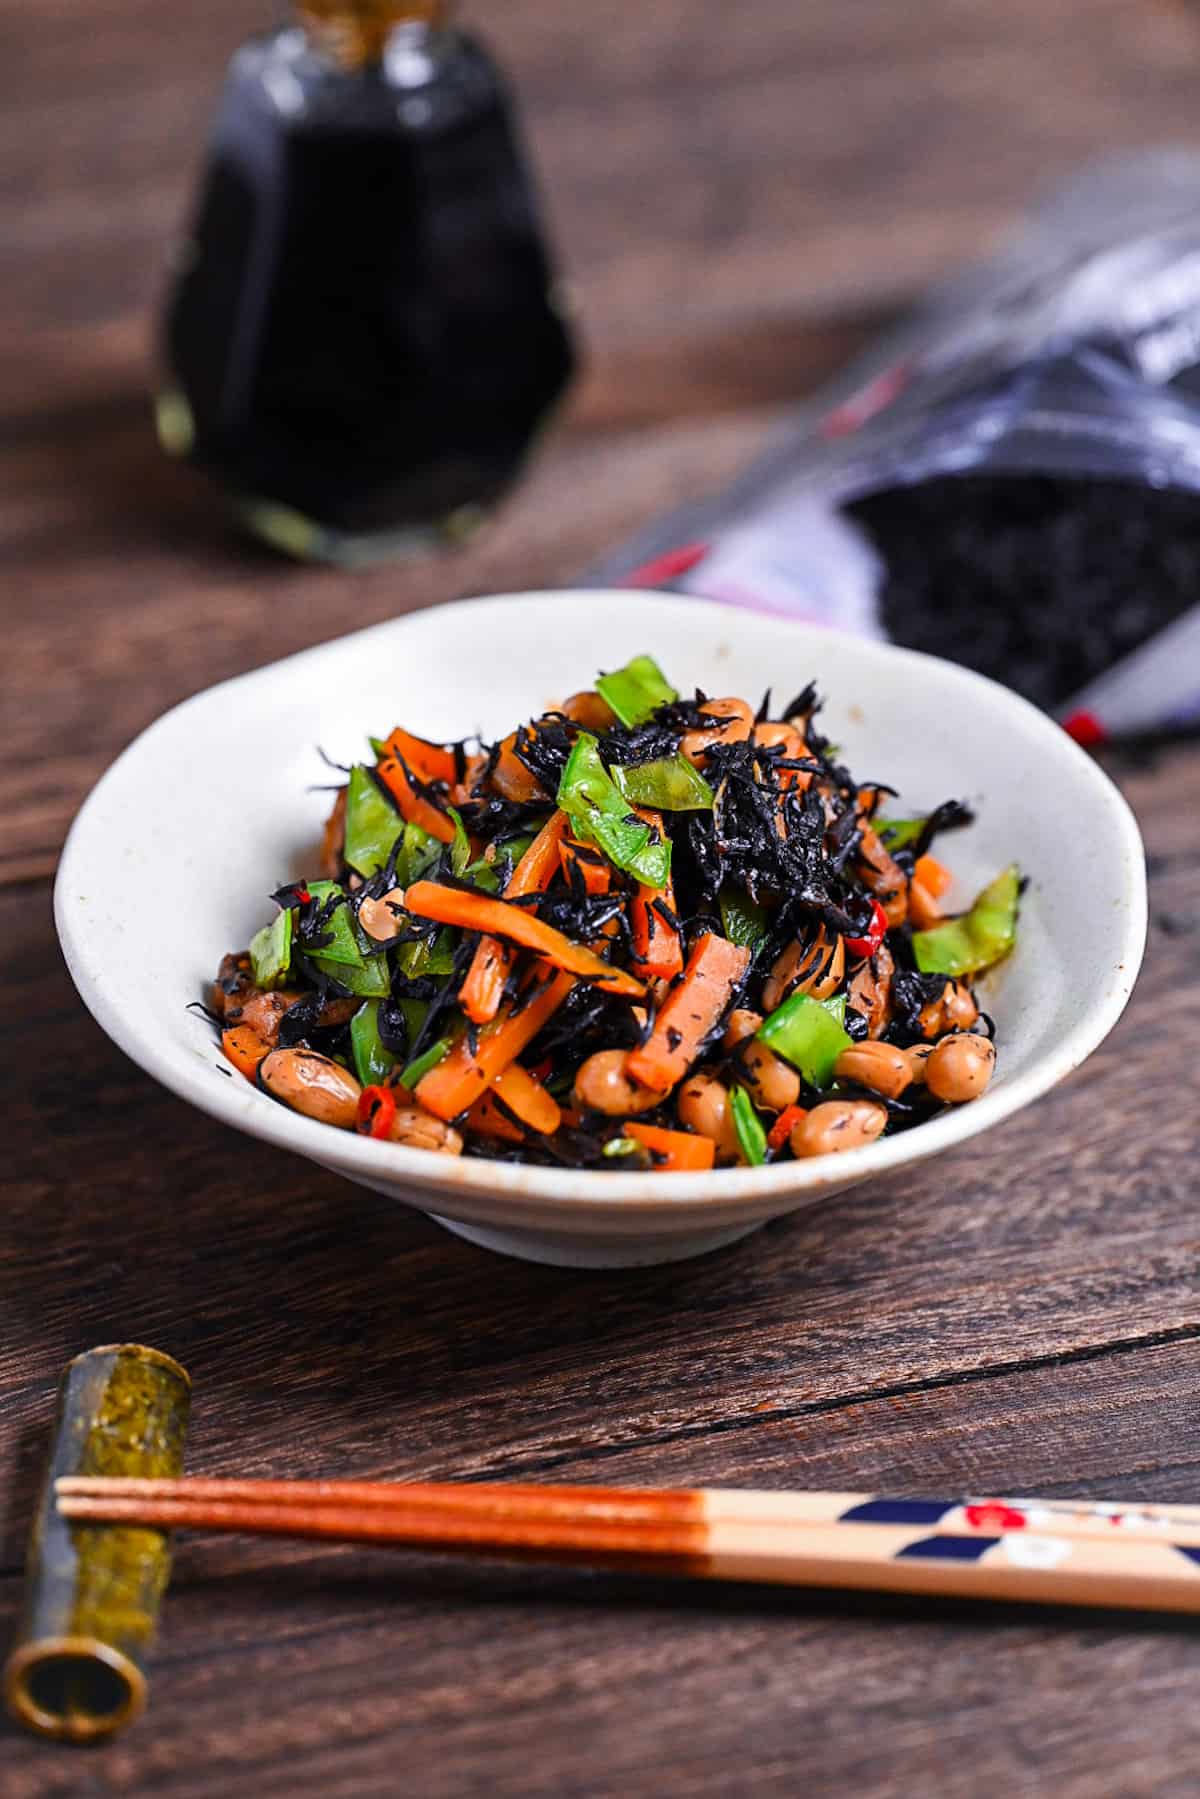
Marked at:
<point>816,1408</point>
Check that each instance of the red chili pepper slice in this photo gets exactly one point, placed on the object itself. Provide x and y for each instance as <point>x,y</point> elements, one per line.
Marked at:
<point>876,931</point>
<point>782,1128</point>
<point>376,1110</point>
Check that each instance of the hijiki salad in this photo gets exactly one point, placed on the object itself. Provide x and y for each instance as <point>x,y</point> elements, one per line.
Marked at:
<point>640,932</point>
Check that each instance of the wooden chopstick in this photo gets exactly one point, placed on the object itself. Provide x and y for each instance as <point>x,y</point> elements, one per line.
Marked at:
<point>1181,1523</point>
<point>1048,1551</point>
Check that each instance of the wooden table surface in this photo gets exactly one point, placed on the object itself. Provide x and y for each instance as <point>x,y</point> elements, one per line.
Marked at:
<point>741,194</point>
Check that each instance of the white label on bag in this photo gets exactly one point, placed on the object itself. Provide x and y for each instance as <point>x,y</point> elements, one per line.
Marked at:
<point>797,557</point>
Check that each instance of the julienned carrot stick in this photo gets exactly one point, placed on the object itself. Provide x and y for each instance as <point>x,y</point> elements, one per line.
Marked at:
<point>933,875</point>
<point>794,749</point>
<point>691,1010</point>
<point>528,1099</point>
<point>594,870</point>
<point>461,1077</point>
<point>486,1117</point>
<point>535,871</point>
<point>673,1151</point>
<point>483,989</point>
<point>479,912</point>
<point>657,949</point>
<point>461,791</point>
<point>428,761</point>
<point>412,805</point>
<point>244,1048</point>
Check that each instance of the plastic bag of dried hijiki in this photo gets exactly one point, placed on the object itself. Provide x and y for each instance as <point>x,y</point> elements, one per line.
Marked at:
<point>1012,479</point>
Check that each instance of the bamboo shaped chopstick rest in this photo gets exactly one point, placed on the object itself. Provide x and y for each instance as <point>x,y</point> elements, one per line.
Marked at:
<point>75,1673</point>
<point>92,1596</point>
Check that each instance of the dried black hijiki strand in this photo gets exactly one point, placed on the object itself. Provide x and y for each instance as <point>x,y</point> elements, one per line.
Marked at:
<point>535,989</point>
<point>911,991</point>
<point>343,768</point>
<point>494,818</point>
<point>566,1149</point>
<point>1040,582</point>
<point>915,1105</point>
<point>483,777</point>
<point>381,882</point>
<point>747,846</point>
<point>951,815</point>
<point>392,1026</point>
<point>335,1040</point>
<point>584,853</point>
<point>432,792</point>
<point>580,916</point>
<point>302,1020</point>
<point>445,876</point>
<point>857,913</point>
<point>291,895</point>
<point>695,866</point>
<point>527,821</point>
<point>494,1149</point>
<point>513,983</point>
<point>628,745</point>
<point>587,1020</point>
<point>407,928</point>
<point>647,1029</point>
<point>443,997</point>
<point>900,944</point>
<point>544,751</point>
<point>202,1011</point>
<point>806,704</point>
<point>843,838</point>
<point>382,788</point>
<point>502,865</point>
<point>315,917</point>
<point>322,978</point>
<point>384,878</point>
<point>688,715</point>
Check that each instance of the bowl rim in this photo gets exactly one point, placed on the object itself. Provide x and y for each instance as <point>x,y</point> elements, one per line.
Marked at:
<point>576,1193</point>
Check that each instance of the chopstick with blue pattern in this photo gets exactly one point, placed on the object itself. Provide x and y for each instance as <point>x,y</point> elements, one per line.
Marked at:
<point>1040,1550</point>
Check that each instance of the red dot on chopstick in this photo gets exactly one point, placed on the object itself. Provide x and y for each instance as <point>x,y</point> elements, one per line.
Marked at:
<point>992,1515</point>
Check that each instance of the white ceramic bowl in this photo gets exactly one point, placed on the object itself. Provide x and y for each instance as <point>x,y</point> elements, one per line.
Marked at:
<point>172,857</point>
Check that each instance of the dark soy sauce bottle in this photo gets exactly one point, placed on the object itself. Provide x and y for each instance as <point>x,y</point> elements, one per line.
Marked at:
<point>363,335</point>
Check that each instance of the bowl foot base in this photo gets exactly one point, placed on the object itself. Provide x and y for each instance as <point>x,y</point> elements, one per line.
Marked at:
<point>596,1252</point>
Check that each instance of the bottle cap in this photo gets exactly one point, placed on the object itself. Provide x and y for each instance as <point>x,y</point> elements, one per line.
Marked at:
<point>355,31</point>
